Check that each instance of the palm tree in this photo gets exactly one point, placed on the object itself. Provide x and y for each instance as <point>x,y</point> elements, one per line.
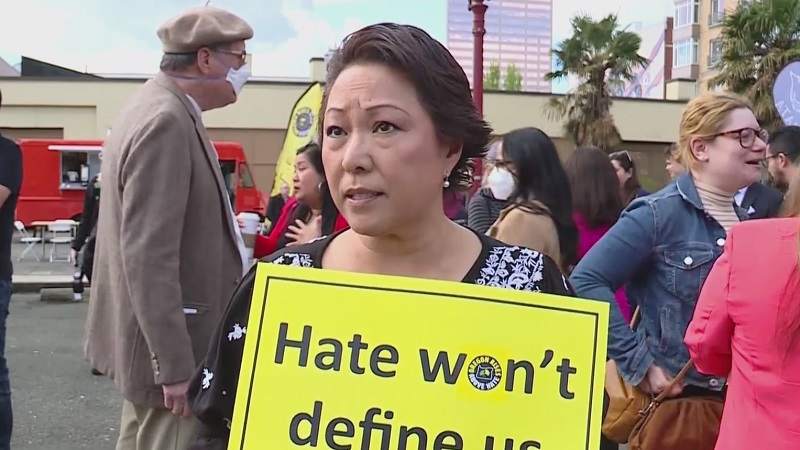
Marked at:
<point>600,54</point>
<point>758,40</point>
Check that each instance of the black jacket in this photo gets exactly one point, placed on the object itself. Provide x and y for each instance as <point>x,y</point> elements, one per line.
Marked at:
<point>765,201</point>
<point>91,206</point>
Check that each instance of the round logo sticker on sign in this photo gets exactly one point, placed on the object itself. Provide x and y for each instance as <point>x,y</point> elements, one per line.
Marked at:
<point>484,373</point>
<point>303,121</point>
<point>786,93</point>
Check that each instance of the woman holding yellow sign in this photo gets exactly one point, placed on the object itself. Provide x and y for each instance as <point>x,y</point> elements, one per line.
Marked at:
<point>399,127</point>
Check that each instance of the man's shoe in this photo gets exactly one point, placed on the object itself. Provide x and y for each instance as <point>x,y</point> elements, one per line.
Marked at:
<point>96,372</point>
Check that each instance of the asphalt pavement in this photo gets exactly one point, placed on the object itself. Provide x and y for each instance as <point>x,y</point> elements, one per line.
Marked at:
<point>58,403</point>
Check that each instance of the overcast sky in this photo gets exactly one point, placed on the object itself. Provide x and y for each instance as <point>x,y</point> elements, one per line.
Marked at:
<point>116,36</point>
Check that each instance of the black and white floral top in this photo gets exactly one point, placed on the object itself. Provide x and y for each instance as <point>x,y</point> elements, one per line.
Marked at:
<point>213,389</point>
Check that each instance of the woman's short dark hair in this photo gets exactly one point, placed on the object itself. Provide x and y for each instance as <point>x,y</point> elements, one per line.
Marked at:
<point>441,84</point>
<point>595,187</point>
<point>632,185</point>
<point>541,177</point>
<point>313,154</point>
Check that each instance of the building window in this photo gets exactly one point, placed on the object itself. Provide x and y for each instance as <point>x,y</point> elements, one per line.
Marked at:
<point>714,52</point>
<point>686,12</point>
<point>685,52</point>
<point>717,14</point>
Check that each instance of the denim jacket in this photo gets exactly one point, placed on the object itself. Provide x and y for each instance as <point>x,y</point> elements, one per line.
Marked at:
<point>662,248</point>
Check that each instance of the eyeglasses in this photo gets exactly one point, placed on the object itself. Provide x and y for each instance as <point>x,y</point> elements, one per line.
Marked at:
<point>243,56</point>
<point>747,136</point>
<point>501,164</point>
<point>765,161</point>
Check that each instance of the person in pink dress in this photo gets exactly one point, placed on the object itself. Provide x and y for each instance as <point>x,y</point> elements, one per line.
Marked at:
<point>746,327</point>
<point>596,202</point>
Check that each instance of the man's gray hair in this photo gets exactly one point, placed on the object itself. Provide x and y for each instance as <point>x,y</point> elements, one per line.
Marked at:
<point>180,62</point>
<point>177,62</point>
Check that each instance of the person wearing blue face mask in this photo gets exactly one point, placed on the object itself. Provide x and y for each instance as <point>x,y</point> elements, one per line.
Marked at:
<point>169,251</point>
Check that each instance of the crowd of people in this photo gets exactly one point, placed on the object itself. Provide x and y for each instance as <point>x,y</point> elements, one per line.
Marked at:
<point>712,283</point>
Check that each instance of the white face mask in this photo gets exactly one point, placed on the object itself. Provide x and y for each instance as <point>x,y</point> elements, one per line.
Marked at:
<point>502,183</point>
<point>238,77</point>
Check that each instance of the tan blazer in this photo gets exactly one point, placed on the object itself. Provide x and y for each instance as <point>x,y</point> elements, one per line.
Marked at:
<point>527,228</point>
<point>167,259</point>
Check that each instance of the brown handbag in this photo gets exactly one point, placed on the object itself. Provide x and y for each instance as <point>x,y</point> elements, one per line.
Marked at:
<point>679,423</point>
<point>625,401</point>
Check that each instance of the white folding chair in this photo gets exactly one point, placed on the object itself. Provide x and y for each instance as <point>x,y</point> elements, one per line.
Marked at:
<point>61,233</point>
<point>28,240</point>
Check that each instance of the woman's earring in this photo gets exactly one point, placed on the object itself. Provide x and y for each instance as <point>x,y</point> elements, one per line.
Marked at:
<point>446,183</point>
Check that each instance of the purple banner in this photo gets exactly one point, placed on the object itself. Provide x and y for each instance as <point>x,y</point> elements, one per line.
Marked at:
<point>786,93</point>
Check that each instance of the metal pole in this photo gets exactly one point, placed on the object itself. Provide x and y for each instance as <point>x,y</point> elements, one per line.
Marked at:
<point>478,8</point>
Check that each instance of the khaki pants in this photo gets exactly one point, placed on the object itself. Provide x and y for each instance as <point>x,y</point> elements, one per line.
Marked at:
<point>144,428</point>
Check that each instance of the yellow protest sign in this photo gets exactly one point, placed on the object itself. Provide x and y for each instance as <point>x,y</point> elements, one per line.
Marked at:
<point>302,129</point>
<point>364,362</point>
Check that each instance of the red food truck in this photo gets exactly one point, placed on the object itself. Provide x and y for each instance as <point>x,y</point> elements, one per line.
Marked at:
<point>57,172</point>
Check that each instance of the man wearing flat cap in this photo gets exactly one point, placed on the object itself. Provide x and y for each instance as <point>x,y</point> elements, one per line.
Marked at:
<point>169,252</point>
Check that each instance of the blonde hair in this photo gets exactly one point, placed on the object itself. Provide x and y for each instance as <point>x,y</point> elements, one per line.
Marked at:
<point>703,117</point>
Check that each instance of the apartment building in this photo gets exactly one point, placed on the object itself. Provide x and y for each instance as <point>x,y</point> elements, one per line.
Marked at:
<point>697,46</point>
<point>518,32</point>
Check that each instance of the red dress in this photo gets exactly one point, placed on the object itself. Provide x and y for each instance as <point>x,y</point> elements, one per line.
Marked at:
<point>266,245</point>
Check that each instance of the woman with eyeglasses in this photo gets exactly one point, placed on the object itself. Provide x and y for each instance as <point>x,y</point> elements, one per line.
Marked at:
<point>629,185</point>
<point>484,208</point>
<point>751,329</point>
<point>663,246</point>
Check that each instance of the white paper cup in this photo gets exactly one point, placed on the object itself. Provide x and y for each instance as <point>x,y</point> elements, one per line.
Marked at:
<point>250,222</point>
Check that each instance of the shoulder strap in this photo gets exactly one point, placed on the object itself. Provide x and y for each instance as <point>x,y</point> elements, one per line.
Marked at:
<point>635,319</point>
<point>675,381</point>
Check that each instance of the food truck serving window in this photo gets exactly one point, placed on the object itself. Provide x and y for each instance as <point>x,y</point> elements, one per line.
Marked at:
<point>78,165</point>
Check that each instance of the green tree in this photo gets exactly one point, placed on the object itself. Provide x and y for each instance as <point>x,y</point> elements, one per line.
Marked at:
<point>758,40</point>
<point>596,52</point>
<point>513,79</point>
<point>491,77</point>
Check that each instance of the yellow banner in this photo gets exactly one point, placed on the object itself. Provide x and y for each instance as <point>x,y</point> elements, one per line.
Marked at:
<point>365,362</point>
<point>301,130</point>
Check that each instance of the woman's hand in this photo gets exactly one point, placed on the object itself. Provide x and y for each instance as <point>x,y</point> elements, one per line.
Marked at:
<point>656,380</point>
<point>302,232</point>
<point>73,257</point>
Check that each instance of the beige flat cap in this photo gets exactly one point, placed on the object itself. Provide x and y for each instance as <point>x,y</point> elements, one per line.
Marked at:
<point>201,27</point>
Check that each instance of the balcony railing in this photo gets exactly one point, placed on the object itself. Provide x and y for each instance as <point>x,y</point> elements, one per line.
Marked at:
<point>716,18</point>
